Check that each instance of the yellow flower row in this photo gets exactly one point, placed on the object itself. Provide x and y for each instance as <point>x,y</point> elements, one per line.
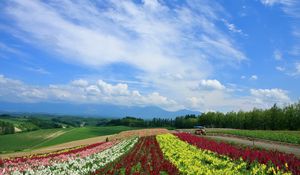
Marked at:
<point>191,160</point>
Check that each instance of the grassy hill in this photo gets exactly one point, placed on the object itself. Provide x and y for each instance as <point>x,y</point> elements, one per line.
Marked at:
<point>47,137</point>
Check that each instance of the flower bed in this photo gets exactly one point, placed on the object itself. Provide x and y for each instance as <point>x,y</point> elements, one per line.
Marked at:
<point>191,160</point>
<point>54,154</point>
<point>145,158</point>
<point>84,162</point>
<point>286,162</point>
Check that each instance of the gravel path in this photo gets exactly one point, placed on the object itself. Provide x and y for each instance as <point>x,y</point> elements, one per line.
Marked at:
<point>266,145</point>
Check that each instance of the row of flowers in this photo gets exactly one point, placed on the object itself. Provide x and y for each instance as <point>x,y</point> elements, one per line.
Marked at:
<point>191,160</point>
<point>285,162</point>
<point>84,162</point>
<point>145,158</point>
<point>53,154</point>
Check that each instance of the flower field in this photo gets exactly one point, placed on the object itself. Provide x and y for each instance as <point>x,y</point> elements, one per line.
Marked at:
<point>282,161</point>
<point>145,158</point>
<point>83,162</point>
<point>179,153</point>
<point>192,160</point>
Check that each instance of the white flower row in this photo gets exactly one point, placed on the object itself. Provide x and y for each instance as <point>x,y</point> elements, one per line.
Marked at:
<point>84,165</point>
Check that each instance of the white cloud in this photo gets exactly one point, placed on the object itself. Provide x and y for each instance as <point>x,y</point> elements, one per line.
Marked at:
<point>38,70</point>
<point>231,27</point>
<point>253,77</point>
<point>277,55</point>
<point>7,49</point>
<point>292,70</point>
<point>270,96</point>
<point>214,97</point>
<point>82,91</point>
<point>118,89</point>
<point>211,84</point>
<point>282,2</point>
<point>280,68</point>
<point>195,103</point>
<point>152,29</point>
<point>80,83</point>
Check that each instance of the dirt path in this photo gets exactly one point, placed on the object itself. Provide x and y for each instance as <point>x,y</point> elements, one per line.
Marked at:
<point>266,145</point>
<point>50,137</point>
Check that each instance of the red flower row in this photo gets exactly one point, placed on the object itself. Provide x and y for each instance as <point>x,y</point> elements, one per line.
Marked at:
<point>250,155</point>
<point>50,155</point>
<point>145,158</point>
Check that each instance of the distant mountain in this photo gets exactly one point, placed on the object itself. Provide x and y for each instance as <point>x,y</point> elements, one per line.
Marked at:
<point>103,110</point>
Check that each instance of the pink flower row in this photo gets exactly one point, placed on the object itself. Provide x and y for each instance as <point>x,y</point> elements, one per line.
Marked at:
<point>51,154</point>
<point>47,161</point>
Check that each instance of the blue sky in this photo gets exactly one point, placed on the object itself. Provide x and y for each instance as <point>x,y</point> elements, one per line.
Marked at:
<point>201,55</point>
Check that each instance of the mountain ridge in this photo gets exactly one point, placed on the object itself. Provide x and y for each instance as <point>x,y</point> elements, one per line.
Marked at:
<point>92,110</point>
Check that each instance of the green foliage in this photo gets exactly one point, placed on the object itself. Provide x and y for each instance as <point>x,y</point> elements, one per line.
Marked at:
<point>188,121</point>
<point>128,121</point>
<point>138,122</point>
<point>44,123</point>
<point>37,121</point>
<point>275,118</point>
<point>6,128</point>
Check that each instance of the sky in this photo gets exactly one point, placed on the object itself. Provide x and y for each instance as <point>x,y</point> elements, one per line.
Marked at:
<point>203,55</point>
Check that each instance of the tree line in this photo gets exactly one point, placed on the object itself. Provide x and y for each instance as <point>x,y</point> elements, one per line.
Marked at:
<point>187,121</point>
<point>275,118</point>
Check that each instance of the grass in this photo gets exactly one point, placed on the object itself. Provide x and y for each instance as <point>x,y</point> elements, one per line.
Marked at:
<point>281,136</point>
<point>47,137</point>
<point>85,132</point>
<point>21,141</point>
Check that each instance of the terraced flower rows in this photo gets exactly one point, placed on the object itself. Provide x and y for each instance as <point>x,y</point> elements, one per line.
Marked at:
<point>180,153</point>
<point>83,162</point>
<point>286,162</point>
<point>145,158</point>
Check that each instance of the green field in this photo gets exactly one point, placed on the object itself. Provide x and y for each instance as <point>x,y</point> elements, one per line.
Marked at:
<point>281,136</point>
<point>48,137</point>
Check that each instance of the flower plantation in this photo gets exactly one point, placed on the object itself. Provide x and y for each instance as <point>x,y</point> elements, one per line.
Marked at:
<point>145,158</point>
<point>279,160</point>
<point>179,153</point>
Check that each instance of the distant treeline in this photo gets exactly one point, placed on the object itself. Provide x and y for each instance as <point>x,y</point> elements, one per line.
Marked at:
<point>187,121</point>
<point>275,118</point>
